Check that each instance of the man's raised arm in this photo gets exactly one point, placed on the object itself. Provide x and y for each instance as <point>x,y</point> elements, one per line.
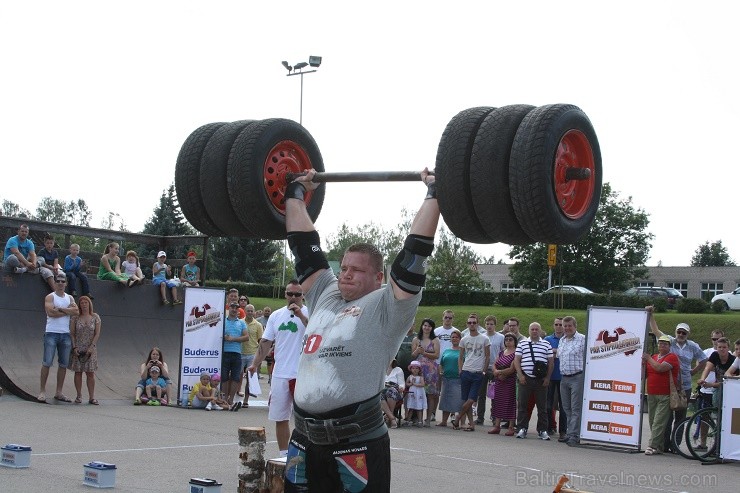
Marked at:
<point>303,238</point>
<point>408,272</point>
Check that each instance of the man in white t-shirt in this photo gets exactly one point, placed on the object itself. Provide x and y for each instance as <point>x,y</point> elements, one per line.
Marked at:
<point>473,361</point>
<point>706,392</point>
<point>286,327</point>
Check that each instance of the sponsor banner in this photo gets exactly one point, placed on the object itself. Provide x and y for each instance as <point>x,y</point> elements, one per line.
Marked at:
<point>612,393</point>
<point>202,335</point>
<point>729,447</point>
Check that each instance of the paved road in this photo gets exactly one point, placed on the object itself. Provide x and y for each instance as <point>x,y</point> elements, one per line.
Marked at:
<point>160,449</point>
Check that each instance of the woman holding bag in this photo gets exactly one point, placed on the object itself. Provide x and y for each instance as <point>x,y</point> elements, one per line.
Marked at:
<point>660,368</point>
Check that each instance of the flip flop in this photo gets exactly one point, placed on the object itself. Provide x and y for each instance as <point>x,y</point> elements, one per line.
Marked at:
<point>467,428</point>
<point>41,398</point>
<point>94,402</point>
<point>78,400</point>
<point>442,424</point>
<point>455,424</point>
<point>62,398</point>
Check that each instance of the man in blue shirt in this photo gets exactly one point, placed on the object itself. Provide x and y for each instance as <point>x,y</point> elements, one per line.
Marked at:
<point>20,253</point>
<point>554,387</point>
<point>235,332</point>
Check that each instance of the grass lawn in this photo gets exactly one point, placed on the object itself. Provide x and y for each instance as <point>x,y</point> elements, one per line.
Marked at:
<point>701,324</point>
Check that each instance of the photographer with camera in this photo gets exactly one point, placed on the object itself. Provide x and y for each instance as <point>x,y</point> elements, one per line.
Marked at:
<point>84,329</point>
<point>154,358</point>
<point>534,364</point>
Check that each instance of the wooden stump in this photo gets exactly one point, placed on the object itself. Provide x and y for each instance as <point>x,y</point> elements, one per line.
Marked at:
<point>251,459</point>
<point>274,473</point>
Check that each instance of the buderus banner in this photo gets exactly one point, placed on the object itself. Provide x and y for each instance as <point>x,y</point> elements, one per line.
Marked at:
<point>202,335</point>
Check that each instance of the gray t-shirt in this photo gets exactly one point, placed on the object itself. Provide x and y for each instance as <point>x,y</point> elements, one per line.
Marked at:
<point>349,344</point>
<point>474,350</point>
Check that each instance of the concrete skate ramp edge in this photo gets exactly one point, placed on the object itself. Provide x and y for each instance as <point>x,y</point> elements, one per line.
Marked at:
<point>133,321</point>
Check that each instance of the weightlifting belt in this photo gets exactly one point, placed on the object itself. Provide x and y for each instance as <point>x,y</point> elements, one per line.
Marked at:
<point>325,430</point>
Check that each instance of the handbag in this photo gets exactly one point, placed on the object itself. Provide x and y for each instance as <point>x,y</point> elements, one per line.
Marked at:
<point>491,391</point>
<point>540,367</point>
<point>678,397</point>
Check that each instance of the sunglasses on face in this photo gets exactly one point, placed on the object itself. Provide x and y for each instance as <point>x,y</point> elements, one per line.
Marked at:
<point>448,318</point>
<point>292,294</point>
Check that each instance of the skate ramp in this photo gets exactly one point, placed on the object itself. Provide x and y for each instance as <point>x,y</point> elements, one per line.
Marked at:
<point>133,321</point>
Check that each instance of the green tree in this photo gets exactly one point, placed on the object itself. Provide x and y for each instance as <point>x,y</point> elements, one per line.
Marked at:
<point>711,255</point>
<point>11,209</point>
<point>167,220</point>
<point>452,265</point>
<point>243,259</point>
<point>388,241</point>
<point>74,212</point>
<point>609,257</point>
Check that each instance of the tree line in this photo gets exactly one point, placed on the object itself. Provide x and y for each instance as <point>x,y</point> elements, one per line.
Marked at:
<point>609,258</point>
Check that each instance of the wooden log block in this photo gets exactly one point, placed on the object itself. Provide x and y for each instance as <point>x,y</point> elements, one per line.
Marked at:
<point>274,474</point>
<point>251,459</point>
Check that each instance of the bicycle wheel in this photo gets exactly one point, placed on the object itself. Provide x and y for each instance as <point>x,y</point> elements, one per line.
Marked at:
<point>678,443</point>
<point>703,445</point>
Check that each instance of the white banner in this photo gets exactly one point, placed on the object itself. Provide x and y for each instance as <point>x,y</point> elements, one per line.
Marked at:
<point>729,447</point>
<point>202,335</point>
<point>612,393</point>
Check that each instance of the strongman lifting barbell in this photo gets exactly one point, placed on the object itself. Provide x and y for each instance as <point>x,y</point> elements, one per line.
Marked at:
<point>515,174</point>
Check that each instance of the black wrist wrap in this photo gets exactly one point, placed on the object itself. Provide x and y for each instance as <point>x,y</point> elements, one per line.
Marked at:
<point>409,269</point>
<point>306,248</point>
<point>295,190</point>
<point>431,191</point>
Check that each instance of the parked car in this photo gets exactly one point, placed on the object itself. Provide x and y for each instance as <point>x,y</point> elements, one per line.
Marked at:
<point>567,288</point>
<point>731,301</point>
<point>672,295</point>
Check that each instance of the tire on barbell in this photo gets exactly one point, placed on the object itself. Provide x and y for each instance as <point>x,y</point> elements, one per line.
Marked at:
<point>489,175</point>
<point>452,169</point>
<point>187,179</point>
<point>260,157</point>
<point>213,179</point>
<point>551,209</point>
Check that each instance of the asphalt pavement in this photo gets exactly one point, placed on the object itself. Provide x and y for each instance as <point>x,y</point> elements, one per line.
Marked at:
<point>158,449</point>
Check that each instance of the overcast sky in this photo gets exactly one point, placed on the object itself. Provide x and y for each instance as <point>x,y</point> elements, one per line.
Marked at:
<point>98,97</point>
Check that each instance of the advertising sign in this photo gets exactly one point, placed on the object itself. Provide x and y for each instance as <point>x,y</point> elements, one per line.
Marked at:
<point>202,335</point>
<point>729,446</point>
<point>612,393</point>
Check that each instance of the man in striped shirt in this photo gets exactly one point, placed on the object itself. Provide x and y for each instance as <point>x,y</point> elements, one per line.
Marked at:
<point>532,354</point>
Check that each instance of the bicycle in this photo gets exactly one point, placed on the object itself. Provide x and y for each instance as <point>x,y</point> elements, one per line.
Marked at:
<point>704,422</point>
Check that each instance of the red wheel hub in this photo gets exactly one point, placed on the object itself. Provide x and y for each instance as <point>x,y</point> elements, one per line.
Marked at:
<point>285,157</point>
<point>574,195</point>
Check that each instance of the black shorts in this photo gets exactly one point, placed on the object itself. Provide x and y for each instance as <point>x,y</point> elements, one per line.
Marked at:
<point>353,467</point>
<point>231,367</point>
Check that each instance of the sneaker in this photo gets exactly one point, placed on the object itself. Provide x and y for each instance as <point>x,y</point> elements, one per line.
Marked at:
<point>479,421</point>
<point>21,270</point>
<point>155,402</point>
<point>522,433</point>
<point>216,407</point>
<point>543,435</point>
<point>572,442</point>
<point>137,402</point>
<point>563,438</point>
<point>177,302</point>
<point>150,402</point>
<point>236,406</point>
<point>209,406</point>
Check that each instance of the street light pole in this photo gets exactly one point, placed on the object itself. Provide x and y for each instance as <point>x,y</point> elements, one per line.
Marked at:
<point>297,69</point>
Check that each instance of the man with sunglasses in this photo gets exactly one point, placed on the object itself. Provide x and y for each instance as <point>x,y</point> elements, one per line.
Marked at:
<point>688,352</point>
<point>340,442</point>
<point>286,328</point>
<point>59,307</point>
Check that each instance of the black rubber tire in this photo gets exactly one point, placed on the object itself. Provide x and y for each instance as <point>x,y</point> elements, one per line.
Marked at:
<point>213,180</point>
<point>532,174</point>
<point>246,174</point>
<point>452,169</point>
<point>187,179</point>
<point>678,443</point>
<point>489,172</point>
<point>706,416</point>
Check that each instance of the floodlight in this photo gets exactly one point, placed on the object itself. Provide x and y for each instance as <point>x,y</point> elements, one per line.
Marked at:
<point>285,64</point>
<point>314,61</point>
<point>300,65</point>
